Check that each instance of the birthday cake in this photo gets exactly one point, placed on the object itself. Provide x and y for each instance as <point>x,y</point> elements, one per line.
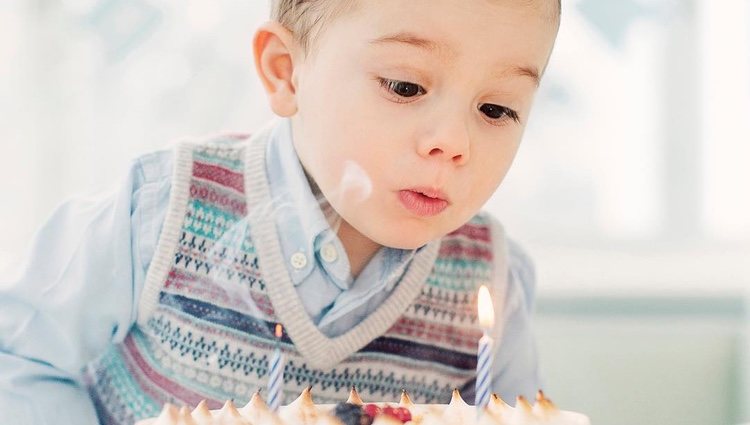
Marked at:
<point>303,411</point>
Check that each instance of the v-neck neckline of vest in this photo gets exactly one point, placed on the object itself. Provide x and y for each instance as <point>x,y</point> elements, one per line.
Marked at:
<point>318,349</point>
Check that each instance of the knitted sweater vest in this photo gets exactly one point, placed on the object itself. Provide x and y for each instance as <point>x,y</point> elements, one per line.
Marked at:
<point>217,285</point>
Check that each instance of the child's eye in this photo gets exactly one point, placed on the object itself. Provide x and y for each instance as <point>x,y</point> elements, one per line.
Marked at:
<point>498,113</point>
<point>402,89</point>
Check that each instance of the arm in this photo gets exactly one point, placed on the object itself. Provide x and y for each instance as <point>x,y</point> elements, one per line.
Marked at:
<point>515,368</point>
<point>75,297</point>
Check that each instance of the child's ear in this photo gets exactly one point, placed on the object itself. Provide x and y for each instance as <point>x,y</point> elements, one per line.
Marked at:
<point>273,48</point>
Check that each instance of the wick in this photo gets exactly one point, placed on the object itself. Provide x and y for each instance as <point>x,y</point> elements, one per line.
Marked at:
<point>279,330</point>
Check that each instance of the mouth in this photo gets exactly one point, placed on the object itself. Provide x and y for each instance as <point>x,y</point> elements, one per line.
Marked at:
<point>423,202</point>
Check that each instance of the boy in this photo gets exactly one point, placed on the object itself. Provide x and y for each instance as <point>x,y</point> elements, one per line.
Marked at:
<point>400,118</point>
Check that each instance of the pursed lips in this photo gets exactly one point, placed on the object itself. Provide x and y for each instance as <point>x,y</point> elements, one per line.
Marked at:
<point>424,201</point>
<point>431,193</point>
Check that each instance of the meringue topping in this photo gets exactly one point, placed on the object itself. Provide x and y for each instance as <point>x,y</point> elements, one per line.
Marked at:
<point>303,411</point>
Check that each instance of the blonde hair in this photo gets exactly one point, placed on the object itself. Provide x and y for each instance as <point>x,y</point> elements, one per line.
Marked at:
<point>305,18</point>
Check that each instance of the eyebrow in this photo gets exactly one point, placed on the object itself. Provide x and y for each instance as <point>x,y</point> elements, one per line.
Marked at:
<point>432,46</point>
<point>521,71</point>
<point>408,39</point>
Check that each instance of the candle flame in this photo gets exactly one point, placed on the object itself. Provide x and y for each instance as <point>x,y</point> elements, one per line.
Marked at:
<point>486,312</point>
<point>279,330</point>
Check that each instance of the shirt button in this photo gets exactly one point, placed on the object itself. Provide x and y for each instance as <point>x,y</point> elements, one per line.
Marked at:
<point>298,260</point>
<point>329,254</point>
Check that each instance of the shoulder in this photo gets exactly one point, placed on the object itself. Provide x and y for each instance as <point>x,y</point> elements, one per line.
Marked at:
<point>216,144</point>
<point>479,229</point>
<point>519,261</point>
<point>521,272</point>
<point>514,267</point>
<point>152,167</point>
<point>157,166</point>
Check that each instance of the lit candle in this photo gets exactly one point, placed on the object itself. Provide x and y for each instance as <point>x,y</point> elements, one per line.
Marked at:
<point>484,357</point>
<point>276,373</point>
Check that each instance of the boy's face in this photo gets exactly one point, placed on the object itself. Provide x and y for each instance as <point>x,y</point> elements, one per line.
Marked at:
<point>409,113</point>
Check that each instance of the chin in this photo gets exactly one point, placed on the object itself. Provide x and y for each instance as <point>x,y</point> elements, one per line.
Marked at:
<point>405,244</point>
<point>404,237</point>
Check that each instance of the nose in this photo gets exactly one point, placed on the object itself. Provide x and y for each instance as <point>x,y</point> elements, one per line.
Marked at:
<point>446,141</point>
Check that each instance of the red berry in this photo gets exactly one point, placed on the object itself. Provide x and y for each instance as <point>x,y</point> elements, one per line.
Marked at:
<point>403,414</point>
<point>371,410</point>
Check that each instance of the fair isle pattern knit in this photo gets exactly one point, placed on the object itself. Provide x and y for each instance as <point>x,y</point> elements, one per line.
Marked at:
<point>217,286</point>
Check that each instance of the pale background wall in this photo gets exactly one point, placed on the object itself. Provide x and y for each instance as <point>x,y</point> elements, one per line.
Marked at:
<point>630,190</point>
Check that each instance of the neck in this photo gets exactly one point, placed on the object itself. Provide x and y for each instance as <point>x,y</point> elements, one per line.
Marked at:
<point>359,248</point>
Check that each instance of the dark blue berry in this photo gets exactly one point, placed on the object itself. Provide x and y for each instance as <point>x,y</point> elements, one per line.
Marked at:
<point>351,414</point>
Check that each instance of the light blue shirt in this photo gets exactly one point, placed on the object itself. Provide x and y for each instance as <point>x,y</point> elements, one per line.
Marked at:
<point>78,292</point>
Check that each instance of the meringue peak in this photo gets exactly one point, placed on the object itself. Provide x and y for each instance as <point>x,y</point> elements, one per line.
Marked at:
<point>405,399</point>
<point>354,397</point>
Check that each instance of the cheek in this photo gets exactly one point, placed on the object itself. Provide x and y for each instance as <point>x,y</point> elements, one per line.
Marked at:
<point>354,133</point>
<point>492,166</point>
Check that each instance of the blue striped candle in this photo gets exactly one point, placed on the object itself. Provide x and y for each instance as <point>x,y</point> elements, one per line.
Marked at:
<point>276,374</point>
<point>484,373</point>
<point>484,356</point>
